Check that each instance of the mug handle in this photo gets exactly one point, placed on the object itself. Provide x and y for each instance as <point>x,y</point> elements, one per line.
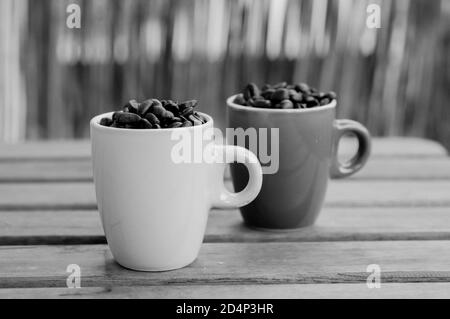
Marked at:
<point>342,127</point>
<point>226,154</point>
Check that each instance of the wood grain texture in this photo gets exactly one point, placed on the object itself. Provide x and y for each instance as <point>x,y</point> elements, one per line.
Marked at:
<point>81,170</point>
<point>243,263</point>
<point>80,149</point>
<point>334,224</point>
<point>252,291</point>
<point>341,193</point>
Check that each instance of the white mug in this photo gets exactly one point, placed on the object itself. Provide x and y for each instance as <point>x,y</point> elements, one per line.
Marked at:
<point>153,209</point>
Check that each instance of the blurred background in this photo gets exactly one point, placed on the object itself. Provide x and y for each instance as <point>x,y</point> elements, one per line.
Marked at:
<point>53,79</point>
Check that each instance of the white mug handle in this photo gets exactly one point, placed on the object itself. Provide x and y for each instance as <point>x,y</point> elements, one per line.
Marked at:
<point>226,154</point>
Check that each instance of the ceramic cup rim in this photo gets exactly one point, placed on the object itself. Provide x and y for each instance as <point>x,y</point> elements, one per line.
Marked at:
<point>95,124</point>
<point>317,109</point>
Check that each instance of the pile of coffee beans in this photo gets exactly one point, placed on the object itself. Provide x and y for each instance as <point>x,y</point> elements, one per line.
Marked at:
<point>283,96</point>
<point>155,114</point>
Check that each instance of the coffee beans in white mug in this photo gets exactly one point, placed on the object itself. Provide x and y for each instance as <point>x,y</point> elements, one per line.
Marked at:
<point>283,96</point>
<point>155,114</point>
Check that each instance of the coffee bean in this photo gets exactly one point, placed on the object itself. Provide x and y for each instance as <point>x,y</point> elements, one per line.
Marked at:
<point>186,104</point>
<point>280,95</point>
<point>175,124</point>
<point>106,121</point>
<point>144,124</point>
<point>186,124</point>
<point>157,108</point>
<point>331,95</point>
<point>267,94</point>
<point>318,95</point>
<point>262,103</point>
<point>194,120</point>
<point>201,117</point>
<point>132,106</point>
<point>126,118</point>
<point>144,107</point>
<point>295,96</point>
<point>251,91</point>
<point>167,115</point>
<point>324,101</point>
<point>280,85</point>
<point>176,119</point>
<point>156,126</point>
<point>266,87</point>
<point>239,99</point>
<point>311,102</point>
<point>152,118</point>
<point>187,111</point>
<point>172,107</point>
<point>302,87</point>
<point>286,104</point>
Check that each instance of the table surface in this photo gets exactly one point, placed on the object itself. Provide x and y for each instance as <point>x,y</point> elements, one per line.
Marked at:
<point>394,213</point>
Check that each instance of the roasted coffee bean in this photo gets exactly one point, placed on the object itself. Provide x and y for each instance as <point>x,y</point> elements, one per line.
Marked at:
<point>251,91</point>
<point>194,120</point>
<point>297,97</point>
<point>324,101</point>
<point>167,116</point>
<point>266,87</point>
<point>280,85</point>
<point>176,119</point>
<point>187,111</point>
<point>201,117</point>
<point>302,87</point>
<point>156,126</point>
<point>175,124</point>
<point>311,102</point>
<point>157,108</point>
<point>286,104</point>
<point>186,104</point>
<point>152,118</point>
<point>262,103</point>
<point>144,124</point>
<point>313,90</point>
<point>106,121</point>
<point>239,99</point>
<point>172,107</point>
<point>126,118</point>
<point>267,94</point>
<point>132,106</point>
<point>318,95</point>
<point>144,107</point>
<point>186,124</point>
<point>331,95</point>
<point>280,95</point>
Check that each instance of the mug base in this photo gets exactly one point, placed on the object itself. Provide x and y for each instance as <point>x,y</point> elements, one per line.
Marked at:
<point>155,269</point>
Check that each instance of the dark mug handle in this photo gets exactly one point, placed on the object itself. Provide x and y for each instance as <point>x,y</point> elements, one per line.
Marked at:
<point>342,127</point>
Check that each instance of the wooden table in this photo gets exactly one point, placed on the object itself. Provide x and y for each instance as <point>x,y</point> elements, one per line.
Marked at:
<point>394,213</point>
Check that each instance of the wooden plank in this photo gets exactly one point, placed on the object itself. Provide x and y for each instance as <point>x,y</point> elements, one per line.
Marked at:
<point>311,291</point>
<point>334,224</point>
<point>46,150</point>
<point>297,291</point>
<point>243,263</point>
<point>81,170</point>
<point>382,147</point>
<point>341,193</point>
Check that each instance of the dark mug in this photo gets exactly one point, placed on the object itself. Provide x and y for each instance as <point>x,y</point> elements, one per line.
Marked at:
<point>293,195</point>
